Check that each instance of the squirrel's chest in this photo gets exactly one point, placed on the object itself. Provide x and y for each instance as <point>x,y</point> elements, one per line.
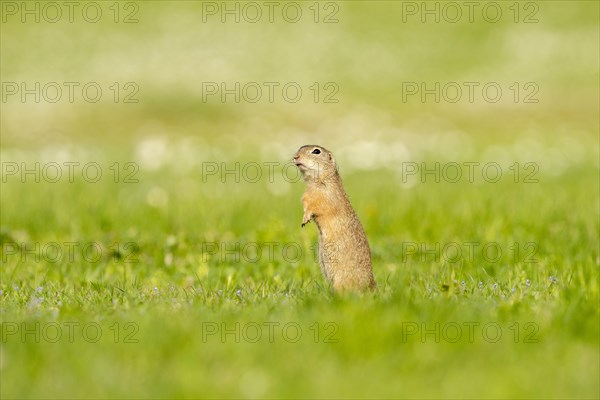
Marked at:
<point>326,212</point>
<point>319,203</point>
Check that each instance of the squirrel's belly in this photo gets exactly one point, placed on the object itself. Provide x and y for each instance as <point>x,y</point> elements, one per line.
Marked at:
<point>343,257</point>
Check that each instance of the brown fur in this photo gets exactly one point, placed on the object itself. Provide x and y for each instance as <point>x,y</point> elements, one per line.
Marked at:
<point>344,254</point>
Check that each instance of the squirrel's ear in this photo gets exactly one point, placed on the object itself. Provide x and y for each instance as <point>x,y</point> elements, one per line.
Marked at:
<point>333,161</point>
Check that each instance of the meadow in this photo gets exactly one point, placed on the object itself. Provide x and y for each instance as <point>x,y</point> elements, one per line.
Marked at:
<point>151,239</point>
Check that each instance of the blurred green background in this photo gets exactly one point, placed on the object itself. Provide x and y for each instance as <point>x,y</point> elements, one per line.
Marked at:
<point>358,64</point>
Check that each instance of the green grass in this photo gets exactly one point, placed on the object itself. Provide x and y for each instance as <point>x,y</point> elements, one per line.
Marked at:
<point>186,285</point>
<point>176,311</point>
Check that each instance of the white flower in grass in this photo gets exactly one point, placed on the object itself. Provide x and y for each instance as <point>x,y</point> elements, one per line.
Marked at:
<point>35,302</point>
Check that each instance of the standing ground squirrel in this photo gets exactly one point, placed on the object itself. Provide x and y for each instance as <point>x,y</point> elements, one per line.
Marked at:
<point>344,254</point>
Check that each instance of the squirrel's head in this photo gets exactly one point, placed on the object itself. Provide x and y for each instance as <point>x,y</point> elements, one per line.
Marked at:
<point>316,163</point>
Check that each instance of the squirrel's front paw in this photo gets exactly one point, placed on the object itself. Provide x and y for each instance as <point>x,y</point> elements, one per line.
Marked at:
<point>306,219</point>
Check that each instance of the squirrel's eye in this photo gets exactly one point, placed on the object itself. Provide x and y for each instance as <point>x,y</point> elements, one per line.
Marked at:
<point>316,151</point>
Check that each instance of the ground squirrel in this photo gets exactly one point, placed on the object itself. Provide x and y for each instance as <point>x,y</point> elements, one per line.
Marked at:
<point>344,254</point>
